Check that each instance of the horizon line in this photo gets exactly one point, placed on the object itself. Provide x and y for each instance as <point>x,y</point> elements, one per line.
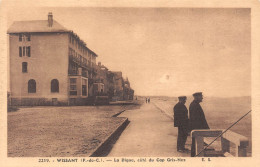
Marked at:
<point>192,96</point>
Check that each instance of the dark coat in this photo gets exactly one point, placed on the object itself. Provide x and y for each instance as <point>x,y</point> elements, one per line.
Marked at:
<point>197,117</point>
<point>180,115</point>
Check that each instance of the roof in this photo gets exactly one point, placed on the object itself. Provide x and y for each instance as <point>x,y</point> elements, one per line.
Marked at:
<point>41,26</point>
<point>117,74</point>
<point>35,26</point>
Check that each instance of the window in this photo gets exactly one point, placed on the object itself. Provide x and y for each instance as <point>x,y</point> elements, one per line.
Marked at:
<point>24,67</point>
<point>20,37</point>
<point>28,36</point>
<point>28,51</point>
<point>54,85</point>
<point>84,90</point>
<point>84,87</point>
<point>20,51</point>
<point>24,51</point>
<point>73,86</point>
<point>73,80</point>
<point>24,37</point>
<point>31,86</point>
<point>102,88</point>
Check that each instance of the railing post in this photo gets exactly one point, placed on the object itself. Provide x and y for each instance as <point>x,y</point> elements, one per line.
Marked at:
<point>199,145</point>
<point>242,149</point>
<point>241,142</point>
<point>225,145</point>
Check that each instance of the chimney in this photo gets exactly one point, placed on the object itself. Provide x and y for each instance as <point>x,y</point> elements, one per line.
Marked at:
<point>50,19</point>
<point>99,64</point>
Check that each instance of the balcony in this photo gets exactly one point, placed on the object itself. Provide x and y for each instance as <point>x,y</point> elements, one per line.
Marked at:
<point>79,62</point>
<point>73,72</point>
<point>76,72</point>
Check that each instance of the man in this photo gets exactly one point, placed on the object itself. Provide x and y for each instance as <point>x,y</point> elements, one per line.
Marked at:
<point>197,117</point>
<point>181,121</point>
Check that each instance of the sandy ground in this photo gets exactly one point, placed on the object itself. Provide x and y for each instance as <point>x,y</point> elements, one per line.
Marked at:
<point>60,131</point>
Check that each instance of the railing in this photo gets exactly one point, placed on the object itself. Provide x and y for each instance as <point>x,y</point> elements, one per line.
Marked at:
<point>80,62</point>
<point>240,142</point>
<point>73,72</point>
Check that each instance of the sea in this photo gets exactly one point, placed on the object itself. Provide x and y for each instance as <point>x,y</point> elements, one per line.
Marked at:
<point>219,112</point>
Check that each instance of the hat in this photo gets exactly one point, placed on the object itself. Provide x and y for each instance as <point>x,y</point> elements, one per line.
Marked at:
<point>197,94</point>
<point>182,97</point>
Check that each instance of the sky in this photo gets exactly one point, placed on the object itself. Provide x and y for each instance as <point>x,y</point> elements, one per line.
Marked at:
<point>164,51</point>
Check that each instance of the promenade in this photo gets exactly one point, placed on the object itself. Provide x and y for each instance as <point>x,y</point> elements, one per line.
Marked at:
<point>150,133</point>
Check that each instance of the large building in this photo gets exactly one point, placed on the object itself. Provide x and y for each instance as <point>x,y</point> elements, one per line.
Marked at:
<point>51,65</point>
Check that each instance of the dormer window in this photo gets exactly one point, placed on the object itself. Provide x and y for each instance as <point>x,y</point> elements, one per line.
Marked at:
<point>24,37</point>
<point>20,37</point>
<point>28,36</point>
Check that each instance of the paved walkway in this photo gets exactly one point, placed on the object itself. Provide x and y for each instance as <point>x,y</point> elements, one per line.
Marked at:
<point>150,133</point>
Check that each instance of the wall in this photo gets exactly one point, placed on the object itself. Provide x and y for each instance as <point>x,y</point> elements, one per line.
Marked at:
<point>49,60</point>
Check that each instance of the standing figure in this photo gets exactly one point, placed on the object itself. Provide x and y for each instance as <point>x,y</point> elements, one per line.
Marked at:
<point>146,99</point>
<point>197,117</point>
<point>181,121</point>
<point>149,100</point>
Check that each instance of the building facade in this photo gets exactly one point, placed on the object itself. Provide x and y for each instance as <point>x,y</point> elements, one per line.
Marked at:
<point>51,65</point>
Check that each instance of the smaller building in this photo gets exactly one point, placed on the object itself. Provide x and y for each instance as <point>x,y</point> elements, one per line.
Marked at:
<point>101,80</point>
<point>119,86</point>
<point>128,91</point>
<point>122,88</point>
